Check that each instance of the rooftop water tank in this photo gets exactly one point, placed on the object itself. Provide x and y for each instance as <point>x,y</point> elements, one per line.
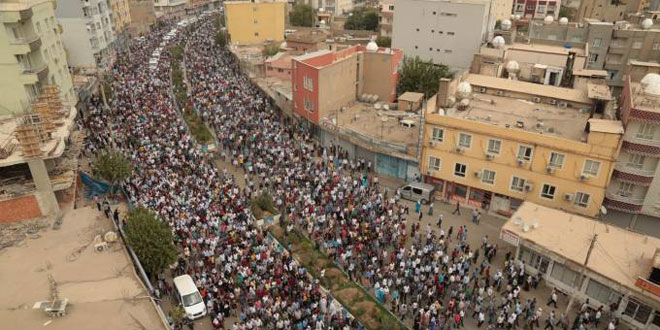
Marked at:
<point>548,19</point>
<point>505,25</point>
<point>651,84</point>
<point>498,42</point>
<point>372,46</point>
<point>563,21</point>
<point>647,24</point>
<point>512,67</point>
<point>463,90</point>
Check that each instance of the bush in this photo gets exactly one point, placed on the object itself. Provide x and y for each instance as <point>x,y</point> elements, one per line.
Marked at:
<point>221,39</point>
<point>362,19</point>
<point>416,75</point>
<point>151,239</point>
<point>270,50</point>
<point>112,166</point>
<point>383,41</point>
<point>301,15</point>
<point>261,204</point>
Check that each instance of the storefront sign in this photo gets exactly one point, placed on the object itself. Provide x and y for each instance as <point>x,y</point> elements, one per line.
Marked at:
<point>510,237</point>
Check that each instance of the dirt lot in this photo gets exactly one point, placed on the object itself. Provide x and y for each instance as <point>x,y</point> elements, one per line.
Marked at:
<point>101,287</point>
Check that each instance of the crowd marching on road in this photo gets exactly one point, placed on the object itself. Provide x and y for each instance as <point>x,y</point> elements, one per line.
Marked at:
<point>429,277</point>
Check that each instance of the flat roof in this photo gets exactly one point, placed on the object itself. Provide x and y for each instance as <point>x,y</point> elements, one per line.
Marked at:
<point>642,100</point>
<point>102,288</point>
<point>599,91</point>
<point>606,126</point>
<point>558,93</point>
<point>589,73</point>
<point>306,36</point>
<point>411,97</point>
<point>619,255</point>
<point>53,148</point>
<point>545,48</point>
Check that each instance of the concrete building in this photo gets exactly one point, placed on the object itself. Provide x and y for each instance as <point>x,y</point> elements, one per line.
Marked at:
<point>170,9</point>
<point>633,193</point>
<point>611,45</point>
<point>88,32</point>
<point>31,55</point>
<point>279,66</point>
<point>143,16</point>
<point>325,81</point>
<point>446,32</point>
<point>253,22</point>
<point>622,271</point>
<point>305,41</point>
<point>385,17</point>
<point>120,15</point>
<point>609,11</point>
<point>496,142</point>
<point>197,6</point>
<point>336,7</point>
<point>535,10</point>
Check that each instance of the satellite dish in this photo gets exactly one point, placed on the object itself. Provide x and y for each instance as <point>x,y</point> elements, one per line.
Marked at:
<point>603,210</point>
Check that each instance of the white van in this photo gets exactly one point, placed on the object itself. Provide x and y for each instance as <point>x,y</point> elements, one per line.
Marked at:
<point>417,191</point>
<point>189,297</point>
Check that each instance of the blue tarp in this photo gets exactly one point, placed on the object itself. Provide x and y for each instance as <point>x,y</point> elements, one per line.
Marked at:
<point>95,187</point>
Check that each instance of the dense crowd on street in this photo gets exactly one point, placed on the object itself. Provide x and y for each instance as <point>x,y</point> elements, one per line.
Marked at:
<point>428,276</point>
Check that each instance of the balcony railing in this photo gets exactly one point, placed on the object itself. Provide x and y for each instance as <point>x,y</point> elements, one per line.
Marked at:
<point>625,199</point>
<point>34,41</point>
<point>621,167</point>
<point>638,140</point>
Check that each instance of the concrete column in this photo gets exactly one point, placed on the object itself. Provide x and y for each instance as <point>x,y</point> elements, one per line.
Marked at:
<point>45,194</point>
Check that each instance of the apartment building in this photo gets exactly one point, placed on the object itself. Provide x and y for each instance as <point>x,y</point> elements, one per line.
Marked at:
<point>143,16</point>
<point>31,55</point>
<point>495,142</point>
<point>611,45</point>
<point>170,9</point>
<point>120,15</point>
<point>253,22</point>
<point>88,31</point>
<point>324,81</point>
<point>445,32</point>
<point>534,10</point>
<point>608,10</point>
<point>635,188</point>
<point>385,17</point>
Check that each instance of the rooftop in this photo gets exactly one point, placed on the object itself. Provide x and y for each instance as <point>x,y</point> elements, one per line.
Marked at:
<point>642,100</point>
<point>545,48</point>
<point>411,97</point>
<point>558,93</point>
<point>307,36</point>
<point>102,288</point>
<point>620,255</point>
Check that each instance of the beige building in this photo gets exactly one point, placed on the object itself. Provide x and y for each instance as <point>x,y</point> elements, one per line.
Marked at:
<point>386,17</point>
<point>170,8</point>
<point>31,55</point>
<point>609,11</point>
<point>253,22</point>
<point>120,14</point>
<point>143,16</point>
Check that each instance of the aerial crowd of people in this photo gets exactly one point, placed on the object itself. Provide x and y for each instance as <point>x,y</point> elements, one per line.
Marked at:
<point>430,277</point>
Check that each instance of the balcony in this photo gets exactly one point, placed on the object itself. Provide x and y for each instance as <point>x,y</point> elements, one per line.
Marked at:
<point>39,71</point>
<point>638,140</point>
<point>633,170</point>
<point>611,204</point>
<point>625,199</point>
<point>15,13</point>
<point>641,149</point>
<point>25,45</point>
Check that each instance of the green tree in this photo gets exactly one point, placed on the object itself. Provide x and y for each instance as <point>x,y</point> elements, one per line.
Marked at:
<point>383,41</point>
<point>301,15</point>
<point>270,50</point>
<point>112,166</point>
<point>151,239</point>
<point>221,39</point>
<point>362,19</point>
<point>567,12</point>
<point>420,76</point>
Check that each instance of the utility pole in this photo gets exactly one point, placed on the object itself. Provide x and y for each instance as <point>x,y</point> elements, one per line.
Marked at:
<point>580,279</point>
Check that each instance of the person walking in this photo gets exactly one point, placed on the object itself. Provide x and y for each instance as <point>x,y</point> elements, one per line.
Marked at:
<point>440,218</point>
<point>553,298</point>
<point>431,208</point>
<point>457,209</point>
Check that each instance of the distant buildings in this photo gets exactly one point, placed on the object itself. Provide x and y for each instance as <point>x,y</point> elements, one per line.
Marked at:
<point>446,32</point>
<point>532,9</point>
<point>170,8</point>
<point>337,7</point>
<point>120,15</point>
<point>496,142</point>
<point>253,22</point>
<point>31,55</point>
<point>325,81</point>
<point>385,17</point>
<point>88,31</point>
<point>608,10</point>
<point>143,16</point>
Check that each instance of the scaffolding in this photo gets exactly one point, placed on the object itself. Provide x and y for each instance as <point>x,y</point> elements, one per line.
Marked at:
<point>31,134</point>
<point>49,106</point>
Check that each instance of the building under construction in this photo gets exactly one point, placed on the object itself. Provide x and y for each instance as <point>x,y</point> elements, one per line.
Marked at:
<point>38,157</point>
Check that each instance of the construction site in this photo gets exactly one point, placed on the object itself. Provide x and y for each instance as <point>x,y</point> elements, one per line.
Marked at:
<point>38,158</point>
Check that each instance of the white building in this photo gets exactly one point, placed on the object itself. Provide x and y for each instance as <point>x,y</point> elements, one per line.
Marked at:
<point>170,8</point>
<point>446,32</point>
<point>87,31</point>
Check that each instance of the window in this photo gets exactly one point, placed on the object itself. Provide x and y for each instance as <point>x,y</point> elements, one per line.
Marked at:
<point>548,191</point>
<point>637,45</point>
<point>540,9</point>
<point>591,167</point>
<point>593,58</point>
<point>434,164</point>
<point>488,176</point>
<point>309,105</point>
<point>563,274</point>
<point>494,146</point>
<point>656,319</point>
<point>581,199</point>
<point>308,83</point>
<point>656,45</point>
<point>636,161</point>
<point>417,29</point>
<point>638,311</point>
<point>625,189</point>
<point>525,153</point>
<point>517,184</point>
<point>438,134</point>
<point>460,169</point>
<point>450,33</point>
<point>448,51</point>
<point>646,131</point>
<point>520,6</point>
<point>464,140</point>
<point>533,259</point>
<point>556,160</point>
<point>416,47</point>
<point>530,7</point>
<point>597,42</point>
<point>602,293</point>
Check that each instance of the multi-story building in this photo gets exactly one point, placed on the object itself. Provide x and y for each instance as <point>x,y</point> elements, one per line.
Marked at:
<point>120,15</point>
<point>611,45</point>
<point>196,6</point>
<point>88,32</point>
<point>31,54</point>
<point>635,188</point>
<point>445,32</point>
<point>324,81</point>
<point>386,17</point>
<point>495,142</point>
<point>533,9</point>
<point>143,16</point>
<point>253,22</point>
<point>608,10</point>
<point>170,8</point>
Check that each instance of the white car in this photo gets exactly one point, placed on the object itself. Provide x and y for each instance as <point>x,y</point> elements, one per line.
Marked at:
<point>189,297</point>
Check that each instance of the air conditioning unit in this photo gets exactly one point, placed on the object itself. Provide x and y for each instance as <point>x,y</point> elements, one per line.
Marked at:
<point>583,177</point>
<point>433,143</point>
<point>562,105</point>
<point>477,174</point>
<point>482,90</point>
<point>459,150</point>
<point>490,156</point>
<point>521,162</point>
<point>528,187</point>
<point>552,101</point>
<point>500,93</point>
<point>536,99</point>
<point>568,197</point>
<point>550,170</point>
